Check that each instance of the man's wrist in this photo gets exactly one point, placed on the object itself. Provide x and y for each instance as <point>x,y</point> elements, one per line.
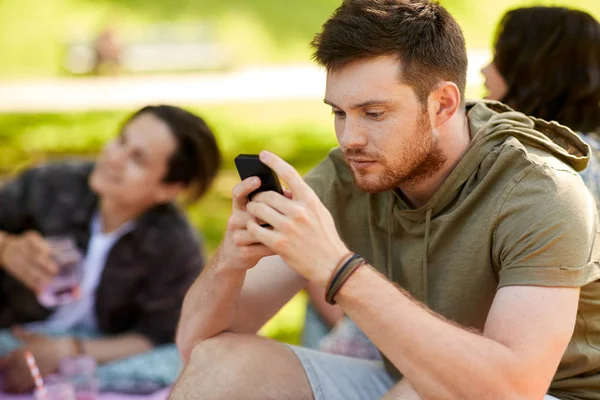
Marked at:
<point>330,266</point>
<point>69,346</point>
<point>352,289</point>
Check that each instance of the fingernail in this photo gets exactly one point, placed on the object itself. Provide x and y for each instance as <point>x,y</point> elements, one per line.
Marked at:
<point>264,155</point>
<point>255,181</point>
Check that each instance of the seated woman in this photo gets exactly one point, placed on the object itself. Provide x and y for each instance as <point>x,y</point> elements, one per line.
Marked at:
<point>139,254</point>
<point>547,64</point>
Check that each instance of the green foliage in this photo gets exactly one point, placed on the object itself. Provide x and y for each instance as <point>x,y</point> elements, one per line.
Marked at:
<point>33,33</point>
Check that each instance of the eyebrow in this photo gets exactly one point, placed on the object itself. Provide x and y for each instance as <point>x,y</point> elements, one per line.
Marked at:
<point>361,105</point>
<point>141,151</point>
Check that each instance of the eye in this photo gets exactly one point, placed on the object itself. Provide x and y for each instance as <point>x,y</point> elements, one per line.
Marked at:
<point>338,113</point>
<point>375,114</point>
<point>138,158</point>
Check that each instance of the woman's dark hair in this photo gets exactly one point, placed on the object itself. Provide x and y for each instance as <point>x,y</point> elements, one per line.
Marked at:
<point>427,40</point>
<point>197,158</point>
<point>550,60</point>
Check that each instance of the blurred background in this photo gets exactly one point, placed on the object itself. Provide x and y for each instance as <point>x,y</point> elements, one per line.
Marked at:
<point>244,65</point>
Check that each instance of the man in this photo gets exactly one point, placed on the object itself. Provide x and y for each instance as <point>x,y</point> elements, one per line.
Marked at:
<point>140,253</point>
<point>478,232</point>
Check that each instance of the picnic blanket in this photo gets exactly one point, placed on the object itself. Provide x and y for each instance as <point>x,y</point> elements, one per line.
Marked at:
<point>143,373</point>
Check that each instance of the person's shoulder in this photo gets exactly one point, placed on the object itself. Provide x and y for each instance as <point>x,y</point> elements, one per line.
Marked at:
<point>555,190</point>
<point>63,171</point>
<point>167,227</point>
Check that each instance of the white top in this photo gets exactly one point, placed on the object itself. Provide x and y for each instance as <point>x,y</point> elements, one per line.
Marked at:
<point>81,312</point>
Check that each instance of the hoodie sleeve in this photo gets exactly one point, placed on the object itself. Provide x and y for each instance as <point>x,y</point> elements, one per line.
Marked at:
<point>547,231</point>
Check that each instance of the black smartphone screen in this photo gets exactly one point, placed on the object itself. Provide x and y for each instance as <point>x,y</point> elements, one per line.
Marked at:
<point>250,165</point>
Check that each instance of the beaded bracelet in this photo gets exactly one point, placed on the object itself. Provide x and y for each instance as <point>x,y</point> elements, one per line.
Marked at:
<point>341,275</point>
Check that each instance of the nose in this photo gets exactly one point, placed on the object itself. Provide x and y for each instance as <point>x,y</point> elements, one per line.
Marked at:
<point>116,155</point>
<point>352,134</point>
<point>486,68</point>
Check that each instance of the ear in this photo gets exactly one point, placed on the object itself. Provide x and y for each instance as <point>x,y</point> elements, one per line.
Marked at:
<point>444,102</point>
<point>167,192</point>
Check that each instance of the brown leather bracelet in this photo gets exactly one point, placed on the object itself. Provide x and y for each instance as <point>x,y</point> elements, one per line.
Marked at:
<point>341,276</point>
<point>336,270</point>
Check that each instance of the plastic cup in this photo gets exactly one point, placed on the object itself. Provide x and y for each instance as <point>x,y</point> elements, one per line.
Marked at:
<point>64,288</point>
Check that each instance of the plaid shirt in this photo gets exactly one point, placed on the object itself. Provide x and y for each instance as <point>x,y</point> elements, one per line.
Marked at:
<point>147,271</point>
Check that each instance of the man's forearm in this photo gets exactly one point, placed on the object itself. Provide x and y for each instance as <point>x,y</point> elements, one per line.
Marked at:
<point>116,347</point>
<point>331,314</point>
<point>210,305</point>
<point>440,359</point>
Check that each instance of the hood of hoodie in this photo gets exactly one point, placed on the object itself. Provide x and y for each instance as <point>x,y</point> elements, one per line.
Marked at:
<point>490,124</point>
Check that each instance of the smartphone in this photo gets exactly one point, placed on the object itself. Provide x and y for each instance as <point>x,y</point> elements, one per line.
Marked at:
<point>250,165</point>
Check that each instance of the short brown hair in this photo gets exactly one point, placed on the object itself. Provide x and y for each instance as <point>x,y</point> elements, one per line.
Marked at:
<point>428,41</point>
<point>197,158</point>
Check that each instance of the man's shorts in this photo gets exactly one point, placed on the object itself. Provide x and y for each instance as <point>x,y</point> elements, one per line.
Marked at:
<point>335,377</point>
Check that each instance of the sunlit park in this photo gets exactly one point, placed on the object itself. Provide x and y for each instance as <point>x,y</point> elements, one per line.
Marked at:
<point>243,65</point>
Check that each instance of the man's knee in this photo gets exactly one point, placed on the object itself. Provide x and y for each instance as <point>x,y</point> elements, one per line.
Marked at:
<point>217,350</point>
<point>228,366</point>
<point>212,365</point>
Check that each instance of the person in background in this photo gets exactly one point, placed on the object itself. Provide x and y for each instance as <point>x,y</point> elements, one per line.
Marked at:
<point>108,52</point>
<point>140,254</point>
<point>547,64</point>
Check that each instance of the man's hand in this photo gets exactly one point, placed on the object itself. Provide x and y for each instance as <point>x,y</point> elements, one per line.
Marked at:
<point>303,232</point>
<point>240,249</point>
<point>47,352</point>
<point>28,258</point>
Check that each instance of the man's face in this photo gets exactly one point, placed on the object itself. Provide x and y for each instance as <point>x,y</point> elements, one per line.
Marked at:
<point>384,132</point>
<point>131,167</point>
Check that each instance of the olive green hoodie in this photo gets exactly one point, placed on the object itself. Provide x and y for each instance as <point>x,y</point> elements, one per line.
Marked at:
<point>514,211</point>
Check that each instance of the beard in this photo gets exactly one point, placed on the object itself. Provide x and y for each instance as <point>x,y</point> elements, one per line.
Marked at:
<point>418,159</point>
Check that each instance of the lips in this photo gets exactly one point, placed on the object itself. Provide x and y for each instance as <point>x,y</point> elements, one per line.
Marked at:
<point>360,163</point>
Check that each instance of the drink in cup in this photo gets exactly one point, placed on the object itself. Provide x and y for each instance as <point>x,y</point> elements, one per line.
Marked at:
<point>64,288</point>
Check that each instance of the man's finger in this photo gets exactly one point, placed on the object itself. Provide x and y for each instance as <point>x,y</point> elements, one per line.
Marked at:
<point>243,238</point>
<point>44,262</point>
<point>276,201</point>
<point>288,194</point>
<point>265,213</point>
<point>37,244</point>
<point>35,279</point>
<point>241,191</point>
<point>259,250</point>
<point>293,179</point>
<point>264,235</point>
